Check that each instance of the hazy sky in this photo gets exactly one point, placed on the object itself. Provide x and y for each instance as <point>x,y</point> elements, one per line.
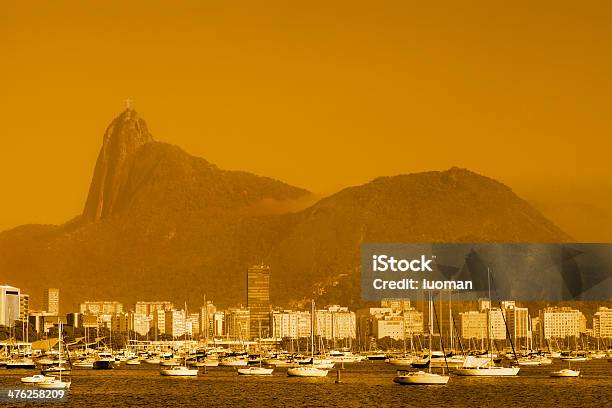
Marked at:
<point>318,94</point>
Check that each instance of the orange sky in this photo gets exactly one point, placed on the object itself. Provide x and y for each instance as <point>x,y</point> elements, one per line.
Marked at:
<point>319,95</point>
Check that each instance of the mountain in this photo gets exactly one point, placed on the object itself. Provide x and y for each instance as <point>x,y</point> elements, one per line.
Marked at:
<point>159,223</point>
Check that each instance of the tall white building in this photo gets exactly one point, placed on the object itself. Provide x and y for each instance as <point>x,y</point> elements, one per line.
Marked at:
<point>290,324</point>
<point>24,307</point>
<point>561,322</point>
<point>9,305</point>
<point>175,323</point>
<point>335,322</point>
<point>602,323</point>
<point>483,324</point>
<point>51,300</point>
<point>140,323</point>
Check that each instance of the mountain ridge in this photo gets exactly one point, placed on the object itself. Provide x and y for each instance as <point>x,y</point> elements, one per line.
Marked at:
<point>169,225</point>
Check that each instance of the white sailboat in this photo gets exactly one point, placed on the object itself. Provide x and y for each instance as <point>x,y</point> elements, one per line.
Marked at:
<point>56,383</point>
<point>255,371</point>
<point>422,377</point>
<point>566,372</point>
<point>179,370</point>
<point>482,366</point>
<point>309,370</point>
<point>36,379</point>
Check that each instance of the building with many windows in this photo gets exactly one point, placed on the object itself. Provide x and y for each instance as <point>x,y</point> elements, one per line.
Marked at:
<point>237,323</point>
<point>9,305</point>
<point>147,308</point>
<point>51,300</point>
<point>561,322</point>
<point>335,322</point>
<point>101,308</point>
<point>24,307</point>
<point>290,324</point>
<point>602,323</point>
<point>483,324</point>
<point>175,323</point>
<point>258,300</point>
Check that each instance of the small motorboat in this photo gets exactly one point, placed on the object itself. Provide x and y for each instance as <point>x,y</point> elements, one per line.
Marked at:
<point>133,361</point>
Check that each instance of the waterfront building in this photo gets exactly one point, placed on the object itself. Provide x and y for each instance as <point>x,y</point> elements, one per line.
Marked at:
<point>192,324</point>
<point>120,322</point>
<point>561,322</point>
<point>290,324</point>
<point>9,305</point>
<point>140,322</point>
<point>602,323</point>
<point>158,321</point>
<point>24,307</point>
<point>389,326</point>
<point>51,300</point>
<point>258,300</point>
<point>206,320</point>
<point>218,324</point>
<point>147,308</point>
<point>97,308</point>
<point>413,322</point>
<point>237,323</point>
<point>518,322</point>
<point>175,323</point>
<point>396,305</point>
<point>398,322</point>
<point>474,324</point>
<point>335,322</point>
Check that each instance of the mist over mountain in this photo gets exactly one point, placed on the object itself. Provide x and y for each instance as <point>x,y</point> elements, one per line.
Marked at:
<point>159,223</point>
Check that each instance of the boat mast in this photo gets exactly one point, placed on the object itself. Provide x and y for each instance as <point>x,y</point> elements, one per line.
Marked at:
<point>312,329</point>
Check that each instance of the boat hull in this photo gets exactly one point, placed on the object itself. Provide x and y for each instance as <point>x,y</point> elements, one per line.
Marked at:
<point>54,385</point>
<point>255,371</point>
<point>103,364</point>
<point>421,378</point>
<point>179,373</point>
<point>306,372</point>
<point>565,373</point>
<point>488,372</point>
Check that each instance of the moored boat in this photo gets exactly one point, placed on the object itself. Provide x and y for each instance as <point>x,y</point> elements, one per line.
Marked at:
<point>255,371</point>
<point>179,371</point>
<point>420,378</point>
<point>566,372</point>
<point>35,379</point>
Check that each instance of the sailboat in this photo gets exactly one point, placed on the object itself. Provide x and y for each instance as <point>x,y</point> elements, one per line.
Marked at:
<point>422,377</point>
<point>309,370</point>
<point>565,372</point>
<point>483,366</point>
<point>256,370</point>
<point>180,370</point>
<point>56,383</point>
